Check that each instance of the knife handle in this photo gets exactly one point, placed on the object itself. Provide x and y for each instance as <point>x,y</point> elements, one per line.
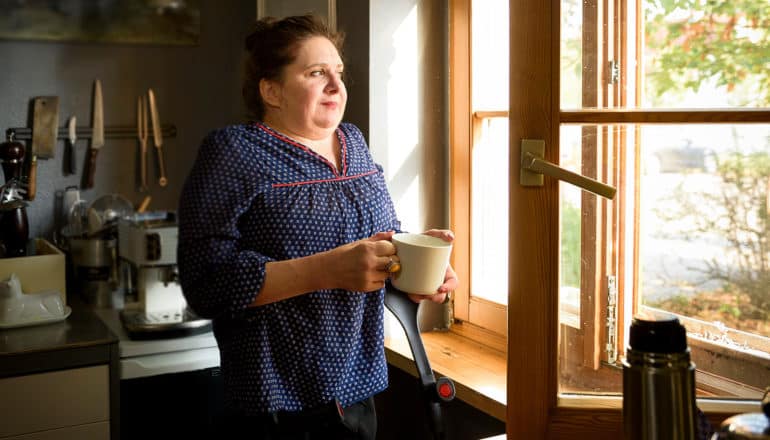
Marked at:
<point>143,169</point>
<point>162,180</point>
<point>92,153</point>
<point>32,184</point>
<point>69,158</point>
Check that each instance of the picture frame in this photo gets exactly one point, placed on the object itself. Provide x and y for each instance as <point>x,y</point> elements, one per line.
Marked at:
<point>103,21</point>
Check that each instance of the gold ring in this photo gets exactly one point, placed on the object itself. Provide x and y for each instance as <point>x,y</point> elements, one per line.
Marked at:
<point>392,266</point>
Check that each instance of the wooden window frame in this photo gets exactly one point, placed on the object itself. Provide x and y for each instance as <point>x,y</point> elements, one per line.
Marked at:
<point>534,408</point>
<point>475,317</point>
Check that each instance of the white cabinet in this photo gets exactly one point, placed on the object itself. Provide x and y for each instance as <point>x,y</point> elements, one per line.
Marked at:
<point>58,405</point>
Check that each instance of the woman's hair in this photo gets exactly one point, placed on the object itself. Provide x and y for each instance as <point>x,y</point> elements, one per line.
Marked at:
<point>273,45</point>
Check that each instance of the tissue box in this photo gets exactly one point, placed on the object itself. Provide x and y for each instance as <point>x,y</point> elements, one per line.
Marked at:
<point>44,271</point>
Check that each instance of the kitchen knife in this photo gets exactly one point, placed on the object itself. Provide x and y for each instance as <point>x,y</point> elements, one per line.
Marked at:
<point>142,135</point>
<point>69,151</point>
<point>97,133</point>
<point>45,127</point>
<point>157,138</point>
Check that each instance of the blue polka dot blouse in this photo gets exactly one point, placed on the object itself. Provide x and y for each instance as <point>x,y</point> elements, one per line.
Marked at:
<point>254,196</point>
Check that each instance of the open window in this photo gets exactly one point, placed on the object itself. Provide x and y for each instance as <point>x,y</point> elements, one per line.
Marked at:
<point>670,105</point>
<point>688,232</point>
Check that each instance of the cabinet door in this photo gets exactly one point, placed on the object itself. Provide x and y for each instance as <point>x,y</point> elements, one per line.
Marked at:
<point>46,401</point>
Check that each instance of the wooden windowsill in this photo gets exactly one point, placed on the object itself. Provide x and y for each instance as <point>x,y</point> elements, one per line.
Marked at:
<point>479,372</point>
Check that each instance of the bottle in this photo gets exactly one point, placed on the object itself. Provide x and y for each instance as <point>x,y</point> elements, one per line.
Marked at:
<point>658,382</point>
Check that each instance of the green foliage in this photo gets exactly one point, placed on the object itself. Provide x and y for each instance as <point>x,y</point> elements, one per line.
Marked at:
<point>570,245</point>
<point>738,214</point>
<point>696,41</point>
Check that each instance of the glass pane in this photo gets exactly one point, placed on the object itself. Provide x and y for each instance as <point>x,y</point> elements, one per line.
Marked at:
<point>569,230</point>
<point>489,53</point>
<point>701,251</point>
<point>686,54</point>
<point>489,212</point>
<point>705,242</point>
<point>571,62</point>
<point>706,54</point>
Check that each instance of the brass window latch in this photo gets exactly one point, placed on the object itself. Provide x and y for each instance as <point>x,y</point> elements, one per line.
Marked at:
<point>533,167</point>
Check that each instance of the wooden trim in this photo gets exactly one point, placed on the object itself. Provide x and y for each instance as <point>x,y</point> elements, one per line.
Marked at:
<point>481,335</point>
<point>488,314</point>
<point>594,57</point>
<point>490,114</point>
<point>460,149</point>
<point>693,116</point>
<point>533,282</point>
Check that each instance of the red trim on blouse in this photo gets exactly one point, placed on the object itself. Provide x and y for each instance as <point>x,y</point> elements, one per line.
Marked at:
<point>338,179</point>
<point>288,140</point>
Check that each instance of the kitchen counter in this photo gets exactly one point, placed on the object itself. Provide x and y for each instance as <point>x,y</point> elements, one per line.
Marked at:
<point>52,357</point>
<point>80,340</point>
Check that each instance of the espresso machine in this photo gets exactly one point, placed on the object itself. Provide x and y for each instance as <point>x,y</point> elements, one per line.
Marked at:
<point>154,306</point>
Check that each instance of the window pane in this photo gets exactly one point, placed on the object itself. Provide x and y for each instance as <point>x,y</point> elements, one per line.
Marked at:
<point>706,54</point>
<point>489,212</point>
<point>569,230</point>
<point>702,250</point>
<point>705,240</point>
<point>489,52</point>
<point>571,63</point>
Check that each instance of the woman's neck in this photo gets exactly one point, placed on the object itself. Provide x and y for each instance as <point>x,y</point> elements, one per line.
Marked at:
<point>327,146</point>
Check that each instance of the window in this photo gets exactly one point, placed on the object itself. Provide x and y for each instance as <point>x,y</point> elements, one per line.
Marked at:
<point>480,164</point>
<point>672,107</point>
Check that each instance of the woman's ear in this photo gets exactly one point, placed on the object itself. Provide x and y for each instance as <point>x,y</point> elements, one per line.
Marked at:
<point>270,92</point>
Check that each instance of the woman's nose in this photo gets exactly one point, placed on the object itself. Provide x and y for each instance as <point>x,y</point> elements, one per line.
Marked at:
<point>334,84</point>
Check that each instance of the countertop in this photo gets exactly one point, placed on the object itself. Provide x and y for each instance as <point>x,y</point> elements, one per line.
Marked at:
<point>80,340</point>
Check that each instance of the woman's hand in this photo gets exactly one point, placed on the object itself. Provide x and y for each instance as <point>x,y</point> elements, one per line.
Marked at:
<point>450,277</point>
<point>361,265</point>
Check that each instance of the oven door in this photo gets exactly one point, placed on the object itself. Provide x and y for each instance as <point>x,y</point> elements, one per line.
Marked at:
<point>171,395</point>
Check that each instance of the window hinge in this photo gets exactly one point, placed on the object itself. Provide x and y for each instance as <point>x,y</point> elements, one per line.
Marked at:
<point>612,320</point>
<point>614,68</point>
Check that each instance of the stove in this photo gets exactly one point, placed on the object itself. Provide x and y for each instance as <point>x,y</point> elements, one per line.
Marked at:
<point>172,384</point>
<point>142,358</point>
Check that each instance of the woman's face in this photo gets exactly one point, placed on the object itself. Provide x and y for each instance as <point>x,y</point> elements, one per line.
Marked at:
<point>310,98</point>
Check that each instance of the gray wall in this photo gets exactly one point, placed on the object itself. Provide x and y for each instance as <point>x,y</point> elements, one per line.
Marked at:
<point>197,89</point>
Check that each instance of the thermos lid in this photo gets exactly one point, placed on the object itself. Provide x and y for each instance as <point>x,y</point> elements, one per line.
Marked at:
<point>657,335</point>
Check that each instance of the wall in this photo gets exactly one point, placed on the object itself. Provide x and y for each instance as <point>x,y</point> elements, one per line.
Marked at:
<point>197,89</point>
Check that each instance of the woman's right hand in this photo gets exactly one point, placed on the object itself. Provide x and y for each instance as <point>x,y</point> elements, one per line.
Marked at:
<point>362,265</point>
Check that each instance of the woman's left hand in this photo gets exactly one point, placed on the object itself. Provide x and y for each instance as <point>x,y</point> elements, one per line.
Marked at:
<point>450,277</point>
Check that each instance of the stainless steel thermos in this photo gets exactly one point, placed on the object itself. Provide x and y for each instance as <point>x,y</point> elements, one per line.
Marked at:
<point>658,382</point>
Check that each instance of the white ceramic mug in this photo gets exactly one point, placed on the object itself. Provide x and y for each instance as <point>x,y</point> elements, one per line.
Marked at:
<point>424,260</point>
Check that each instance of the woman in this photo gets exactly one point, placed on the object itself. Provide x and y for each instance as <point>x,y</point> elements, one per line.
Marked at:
<point>284,242</point>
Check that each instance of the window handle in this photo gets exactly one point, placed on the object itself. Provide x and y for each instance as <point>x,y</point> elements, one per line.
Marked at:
<point>533,166</point>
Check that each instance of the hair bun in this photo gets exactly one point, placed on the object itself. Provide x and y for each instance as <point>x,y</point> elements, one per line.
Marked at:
<point>257,34</point>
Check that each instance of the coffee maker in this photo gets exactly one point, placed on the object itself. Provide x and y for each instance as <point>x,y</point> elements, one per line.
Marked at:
<point>154,306</point>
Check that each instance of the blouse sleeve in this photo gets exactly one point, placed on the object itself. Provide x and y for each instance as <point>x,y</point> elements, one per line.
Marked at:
<point>217,275</point>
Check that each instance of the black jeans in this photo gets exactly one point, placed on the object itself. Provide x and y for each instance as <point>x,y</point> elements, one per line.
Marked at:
<point>358,422</point>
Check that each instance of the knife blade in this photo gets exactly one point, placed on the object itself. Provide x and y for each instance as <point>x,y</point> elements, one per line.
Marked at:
<point>45,121</point>
<point>69,151</point>
<point>157,138</point>
<point>97,133</point>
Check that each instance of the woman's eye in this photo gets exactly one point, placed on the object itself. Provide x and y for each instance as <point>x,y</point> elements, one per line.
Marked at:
<point>316,73</point>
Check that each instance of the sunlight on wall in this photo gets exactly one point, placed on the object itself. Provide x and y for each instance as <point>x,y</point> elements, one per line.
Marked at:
<point>403,122</point>
<point>396,120</point>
